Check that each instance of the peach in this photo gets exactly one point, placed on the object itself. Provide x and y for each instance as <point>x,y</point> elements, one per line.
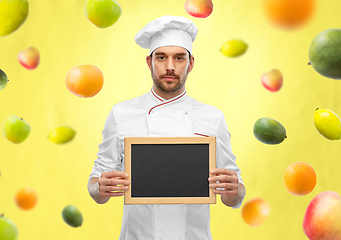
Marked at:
<point>272,80</point>
<point>29,58</point>
<point>199,8</point>
<point>322,219</point>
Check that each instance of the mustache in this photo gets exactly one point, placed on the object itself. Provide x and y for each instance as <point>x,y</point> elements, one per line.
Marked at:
<point>170,75</point>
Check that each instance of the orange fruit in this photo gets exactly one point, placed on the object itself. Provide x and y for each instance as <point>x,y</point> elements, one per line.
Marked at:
<point>26,198</point>
<point>289,13</point>
<point>299,178</point>
<point>84,80</point>
<point>255,211</point>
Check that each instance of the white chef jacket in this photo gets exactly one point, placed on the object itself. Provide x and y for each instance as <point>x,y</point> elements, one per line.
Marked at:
<point>150,115</point>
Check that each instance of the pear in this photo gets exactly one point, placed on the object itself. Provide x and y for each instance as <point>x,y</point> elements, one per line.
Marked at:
<point>199,8</point>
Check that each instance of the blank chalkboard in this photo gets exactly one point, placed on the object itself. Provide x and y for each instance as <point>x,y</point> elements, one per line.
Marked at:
<point>169,170</point>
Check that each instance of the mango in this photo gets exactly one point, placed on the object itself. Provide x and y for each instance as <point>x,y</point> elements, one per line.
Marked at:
<point>325,53</point>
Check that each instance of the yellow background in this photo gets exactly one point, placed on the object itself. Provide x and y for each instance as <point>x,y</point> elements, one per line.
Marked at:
<point>66,38</point>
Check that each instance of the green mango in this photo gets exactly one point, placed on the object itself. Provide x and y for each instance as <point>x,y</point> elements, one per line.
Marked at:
<point>72,216</point>
<point>269,131</point>
<point>325,53</point>
<point>3,79</point>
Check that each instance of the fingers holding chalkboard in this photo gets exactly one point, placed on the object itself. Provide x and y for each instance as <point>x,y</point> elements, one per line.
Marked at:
<point>227,181</point>
<point>112,184</point>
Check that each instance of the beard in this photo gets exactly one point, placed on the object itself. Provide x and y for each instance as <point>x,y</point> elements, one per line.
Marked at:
<point>169,87</point>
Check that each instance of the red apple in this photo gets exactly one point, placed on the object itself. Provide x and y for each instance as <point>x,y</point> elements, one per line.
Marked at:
<point>199,8</point>
<point>272,80</point>
<point>322,220</point>
<point>29,58</point>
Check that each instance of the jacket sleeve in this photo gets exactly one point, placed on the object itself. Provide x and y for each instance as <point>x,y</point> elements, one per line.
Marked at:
<point>108,157</point>
<point>225,158</point>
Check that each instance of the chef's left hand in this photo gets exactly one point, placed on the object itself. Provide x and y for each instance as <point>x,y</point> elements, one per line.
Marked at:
<point>227,179</point>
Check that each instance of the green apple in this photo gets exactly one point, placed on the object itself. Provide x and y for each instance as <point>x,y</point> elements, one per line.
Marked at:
<point>3,79</point>
<point>102,13</point>
<point>13,14</point>
<point>8,231</point>
<point>62,134</point>
<point>15,129</point>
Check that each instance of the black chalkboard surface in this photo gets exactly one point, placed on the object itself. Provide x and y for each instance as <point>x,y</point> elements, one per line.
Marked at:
<point>169,170</point>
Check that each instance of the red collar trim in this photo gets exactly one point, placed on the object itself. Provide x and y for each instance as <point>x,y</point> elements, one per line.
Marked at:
<point>156,95</point>
<point>167,102</point>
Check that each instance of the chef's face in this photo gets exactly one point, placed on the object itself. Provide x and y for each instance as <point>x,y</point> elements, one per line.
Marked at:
<point>169,68</point>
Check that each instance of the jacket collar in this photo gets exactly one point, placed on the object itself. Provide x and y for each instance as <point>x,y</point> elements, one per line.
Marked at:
<point>158,101</point>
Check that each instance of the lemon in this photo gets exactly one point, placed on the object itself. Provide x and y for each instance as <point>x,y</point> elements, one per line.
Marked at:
<point>233,48</point>
<point>61,135</point>
<point>269,131</point>
<point>327,123</point>
<point>13,14</point>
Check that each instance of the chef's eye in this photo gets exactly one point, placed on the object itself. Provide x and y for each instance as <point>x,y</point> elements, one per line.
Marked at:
<point>179,58</point>
<point>161,58</point>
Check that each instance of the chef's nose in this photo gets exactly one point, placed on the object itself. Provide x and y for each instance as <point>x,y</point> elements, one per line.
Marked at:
<point>170,65</point>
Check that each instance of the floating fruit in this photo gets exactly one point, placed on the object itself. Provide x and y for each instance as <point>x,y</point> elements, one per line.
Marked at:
<point>199,8</point>
<point>61,135</point>
<point>84,80</point>
<point>13,14</point>
<point>29,58</point>
<point>325,53</point>
<point>8,231</point>
<point>26,198</point>
<point>72,216</point>
<point>299,178</point>
<point>322,219</point>
<point>102,13</point>
<point>327,123</point>
<point>269,131</point>
<point>3,79</point>
<point>16,129</point>
<point>272,80</point>
<point>255,211</point>
<point>234,48</point>
<point>289,14</point>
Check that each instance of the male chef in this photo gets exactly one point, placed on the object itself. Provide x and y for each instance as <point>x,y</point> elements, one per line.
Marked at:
<point>165,111</point>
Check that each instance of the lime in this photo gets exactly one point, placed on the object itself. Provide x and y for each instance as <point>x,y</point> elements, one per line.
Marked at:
<point>327,123</point>
<point>269,131</point>
<point>233,48</point>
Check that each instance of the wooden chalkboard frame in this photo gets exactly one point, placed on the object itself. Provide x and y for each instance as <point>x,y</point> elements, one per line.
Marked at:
<point>129,141</point>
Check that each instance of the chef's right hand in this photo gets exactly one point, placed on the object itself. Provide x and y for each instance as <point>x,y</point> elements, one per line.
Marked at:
<point>113,184</point>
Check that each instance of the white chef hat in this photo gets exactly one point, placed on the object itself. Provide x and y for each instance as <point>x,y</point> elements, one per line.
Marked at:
<point>167,31</point>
